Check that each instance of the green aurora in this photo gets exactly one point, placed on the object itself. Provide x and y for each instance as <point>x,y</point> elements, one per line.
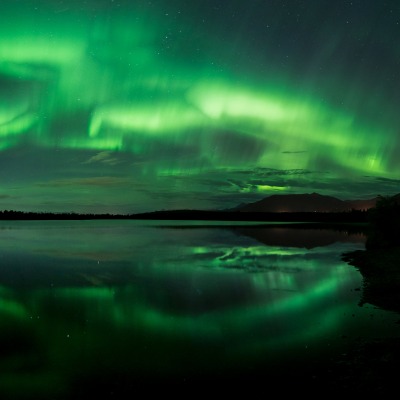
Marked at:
<point>122,106</point>
<point>87,299</point>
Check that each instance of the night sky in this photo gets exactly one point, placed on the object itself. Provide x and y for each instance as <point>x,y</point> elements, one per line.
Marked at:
<point>124,106</point>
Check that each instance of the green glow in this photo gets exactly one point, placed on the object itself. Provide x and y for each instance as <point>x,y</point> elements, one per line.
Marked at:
<point>268,188</point>
<point>162,119</point>
<point>11,307</point>
<point>142,297</point>
<point>18,125</point>
<point>265,189</point>
<point>220,101</point>
<point>187,106</point>
<point>111,142</point>
<point>53,51</point>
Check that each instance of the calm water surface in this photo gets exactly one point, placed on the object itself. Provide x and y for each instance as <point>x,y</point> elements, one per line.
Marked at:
<point>104,306</point>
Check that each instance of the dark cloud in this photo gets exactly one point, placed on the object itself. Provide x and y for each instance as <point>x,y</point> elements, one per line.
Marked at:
<point>387,180</point>
<point>277,172</point>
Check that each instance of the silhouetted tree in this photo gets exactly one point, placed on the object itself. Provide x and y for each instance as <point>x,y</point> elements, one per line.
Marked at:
<point>385,222</point>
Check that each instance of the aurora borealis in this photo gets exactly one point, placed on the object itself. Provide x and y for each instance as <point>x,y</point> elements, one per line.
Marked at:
<point>129,106</point>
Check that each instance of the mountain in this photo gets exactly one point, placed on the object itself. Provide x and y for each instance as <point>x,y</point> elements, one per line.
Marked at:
<point>397,198</point>
<point>308,202</point>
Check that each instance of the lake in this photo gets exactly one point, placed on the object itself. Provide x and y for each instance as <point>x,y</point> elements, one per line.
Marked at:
<point>103,307</point>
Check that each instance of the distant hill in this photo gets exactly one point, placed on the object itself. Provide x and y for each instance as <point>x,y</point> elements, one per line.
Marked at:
<point>397,198</point>
<point>308,202</point>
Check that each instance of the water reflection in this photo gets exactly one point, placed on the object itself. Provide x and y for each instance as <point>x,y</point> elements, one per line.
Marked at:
<point>94,304</point>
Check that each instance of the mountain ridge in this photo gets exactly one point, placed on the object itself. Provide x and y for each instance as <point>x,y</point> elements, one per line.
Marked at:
<point>306,202</point>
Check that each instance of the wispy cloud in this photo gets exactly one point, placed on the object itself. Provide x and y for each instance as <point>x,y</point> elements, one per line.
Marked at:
<point>387,180</point>
<point>104,157</point>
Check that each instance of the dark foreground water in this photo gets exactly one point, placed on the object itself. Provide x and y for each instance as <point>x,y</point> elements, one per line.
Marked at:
<point>105,307</point>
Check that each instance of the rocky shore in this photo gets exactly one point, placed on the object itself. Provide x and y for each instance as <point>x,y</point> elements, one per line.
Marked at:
<point>371,367</point>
